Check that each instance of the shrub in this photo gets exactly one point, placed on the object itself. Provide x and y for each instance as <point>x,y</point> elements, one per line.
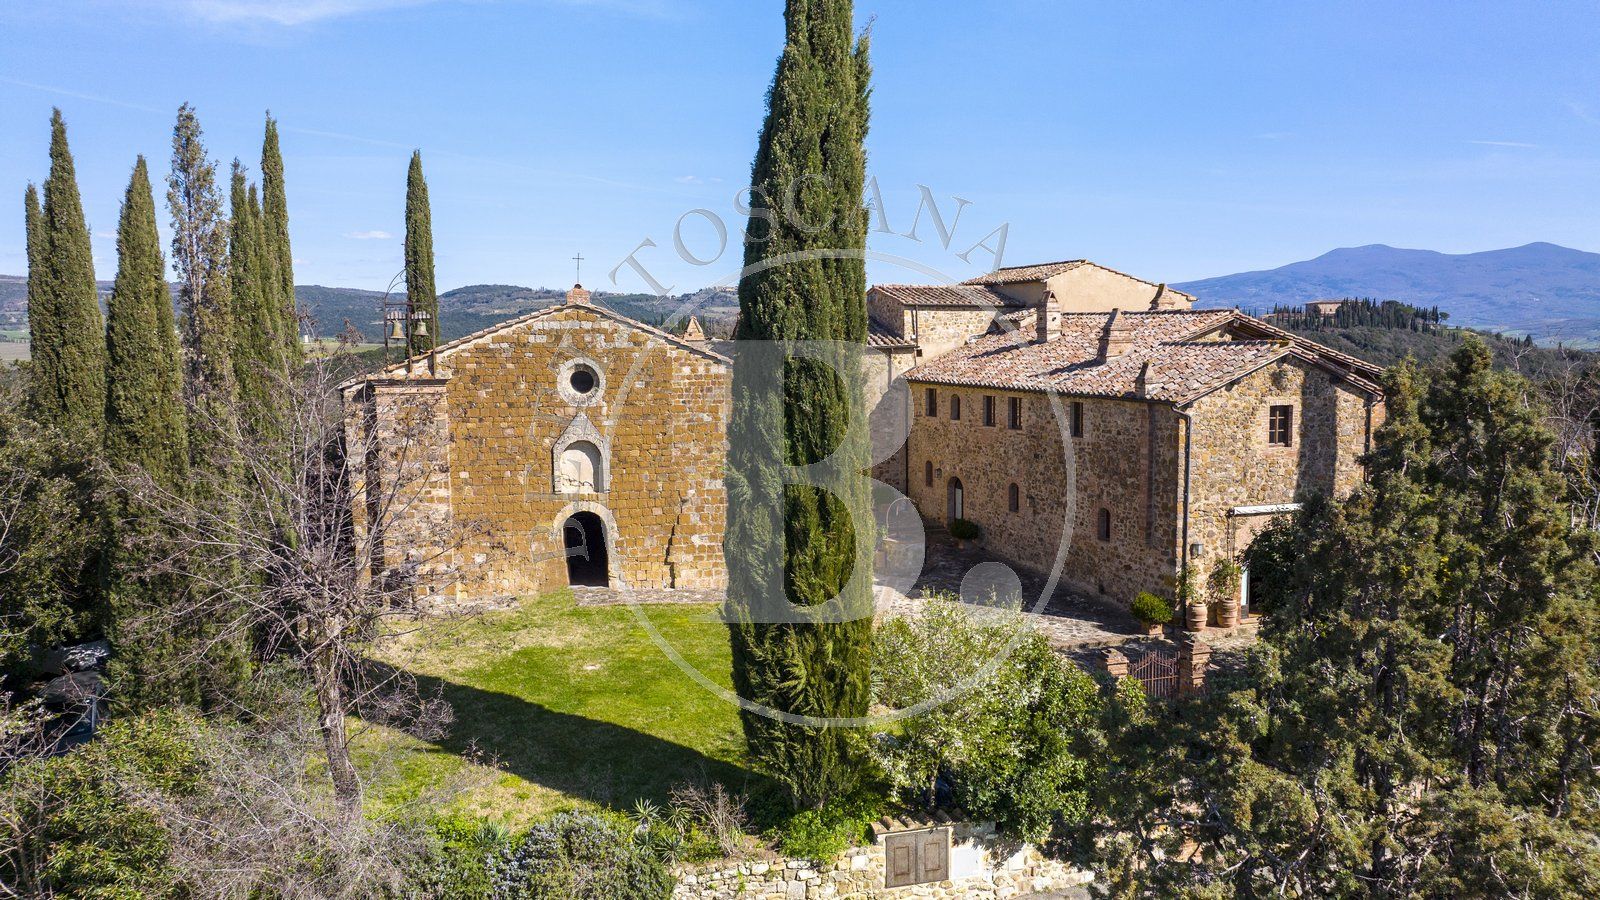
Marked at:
<point>84,824</point>
<point>456,860</point>
<point>1222,584</point>
<point>580,857</point>
<point>1012,727</point>
<point>964,530</point>
<point>822,834</point>
<point>1152,610</point>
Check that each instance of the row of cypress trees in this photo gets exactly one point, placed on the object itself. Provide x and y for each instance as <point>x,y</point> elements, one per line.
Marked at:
<point>152,396</point>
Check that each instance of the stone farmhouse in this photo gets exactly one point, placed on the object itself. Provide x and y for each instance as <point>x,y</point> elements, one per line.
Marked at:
<point>1087,421</point>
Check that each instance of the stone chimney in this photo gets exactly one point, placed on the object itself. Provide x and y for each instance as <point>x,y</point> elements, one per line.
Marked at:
<point>1047,321</point>
<point>693,333</point>
<point>1147,382</point>
<point>1117,339</point>
<point>578,295</point>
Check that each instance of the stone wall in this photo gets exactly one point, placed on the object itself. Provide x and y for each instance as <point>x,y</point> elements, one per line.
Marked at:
<point>982,866</point>
<point>397,437</point>
<point>887,401</point>
<point>658,417</point>
<point>1126,462</point>
<point>1234,465</point>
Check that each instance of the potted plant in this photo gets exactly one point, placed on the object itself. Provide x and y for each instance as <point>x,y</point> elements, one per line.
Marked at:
<point>1223,585</point>
<point>1153,612</point>
<point>1194,606</point>
<point>964,530</point>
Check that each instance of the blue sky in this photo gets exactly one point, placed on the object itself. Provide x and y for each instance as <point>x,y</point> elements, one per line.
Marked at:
<point>1171,140</point>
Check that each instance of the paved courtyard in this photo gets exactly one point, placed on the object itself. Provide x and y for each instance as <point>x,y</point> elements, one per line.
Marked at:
<point>1070,620</point>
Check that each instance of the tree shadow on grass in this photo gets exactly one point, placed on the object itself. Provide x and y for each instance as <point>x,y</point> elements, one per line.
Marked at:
<point>601,762</point>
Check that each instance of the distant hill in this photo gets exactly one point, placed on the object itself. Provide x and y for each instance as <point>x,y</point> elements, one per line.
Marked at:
<point>463,310</point>
<point>1546,290</point>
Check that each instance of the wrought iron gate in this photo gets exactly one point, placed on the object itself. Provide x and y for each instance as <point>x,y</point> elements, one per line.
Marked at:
<point>1157,670</point>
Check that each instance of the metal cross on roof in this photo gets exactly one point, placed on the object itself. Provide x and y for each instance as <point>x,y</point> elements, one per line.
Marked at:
<point>579,260</point>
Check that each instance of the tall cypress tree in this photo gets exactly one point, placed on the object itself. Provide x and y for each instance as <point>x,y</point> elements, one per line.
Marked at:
<point>275,234</point>
<point>43,326</point>
<point>145,425</point>
<point>211,393</point>
<point>67,380</point>
<point>420,290</point>
<point>808,657</point>
<point>200,255</point>
<point>252,322</point>
<point>145,429</point>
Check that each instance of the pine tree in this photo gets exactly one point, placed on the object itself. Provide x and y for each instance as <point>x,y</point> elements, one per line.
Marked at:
<point>421,294</point>
<point>145,430</point>
<point>67,376</point>
<point>275,234</point>
<point>807,183</point>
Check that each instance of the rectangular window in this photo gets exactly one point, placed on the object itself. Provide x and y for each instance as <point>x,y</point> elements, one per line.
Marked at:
<point>1280,426</point>
<point>1014,414</point>
<point>1076,418</point>
<point>988,409</point>
<point>955,407</point>
<point>931,407</point>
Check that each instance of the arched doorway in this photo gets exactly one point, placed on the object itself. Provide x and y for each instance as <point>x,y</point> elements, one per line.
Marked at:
<point>955,501</point>
<point>584,536</point>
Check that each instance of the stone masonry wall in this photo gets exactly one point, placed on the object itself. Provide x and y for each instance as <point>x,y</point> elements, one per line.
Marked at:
<point>659,416</point>
<point>397,448</point>
<point>982,867</point>
<point>1126,461</point>
<point>888,406</point>
<point>1234,464</point>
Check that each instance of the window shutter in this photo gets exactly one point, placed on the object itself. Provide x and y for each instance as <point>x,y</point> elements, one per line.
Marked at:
<point>934,856</point>
<point>900,869</point>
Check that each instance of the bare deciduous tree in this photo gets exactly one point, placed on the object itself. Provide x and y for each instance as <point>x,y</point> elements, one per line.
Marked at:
<point>306,540</point>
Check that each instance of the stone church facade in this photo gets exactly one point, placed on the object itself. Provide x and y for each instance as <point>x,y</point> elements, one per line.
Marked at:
<point>1086,420</point>
<point>573,443</point>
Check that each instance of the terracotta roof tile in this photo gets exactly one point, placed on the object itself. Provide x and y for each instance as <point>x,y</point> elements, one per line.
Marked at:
<point>954,295</point>
<point>882,336</point>
<point>1180,368</point>
<point>1035,272</point>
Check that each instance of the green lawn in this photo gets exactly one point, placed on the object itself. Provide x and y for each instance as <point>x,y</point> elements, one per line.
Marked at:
<point>569,706</point>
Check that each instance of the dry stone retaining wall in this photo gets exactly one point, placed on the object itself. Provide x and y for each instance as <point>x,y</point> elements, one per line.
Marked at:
<point>982,867</point>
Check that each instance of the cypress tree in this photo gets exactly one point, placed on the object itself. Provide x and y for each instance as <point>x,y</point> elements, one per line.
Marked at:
<point>275,235</point>
<point>145,428</point>
<point>42,320</point>
<point>145,425</point>
<point>808,657</point>
<point>420,291</point>
<point>67,380</point>
<point>252,318</point>
<point>200,236</point>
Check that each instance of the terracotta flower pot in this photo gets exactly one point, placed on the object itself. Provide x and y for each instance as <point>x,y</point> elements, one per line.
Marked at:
<point>1228,613</point>
<point>1194,618</point>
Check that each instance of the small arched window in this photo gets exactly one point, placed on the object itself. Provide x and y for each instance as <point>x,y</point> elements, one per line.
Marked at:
<point>955,407</point>
<point>927,473</point>
<point>1014,498</point>
<point>581,469</point>
<point>1103,524</point>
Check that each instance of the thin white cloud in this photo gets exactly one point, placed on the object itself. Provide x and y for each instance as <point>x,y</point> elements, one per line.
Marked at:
<point>374,235</point>
<point>290,13</point>
<point>285,12</point>
<point>1520,144</point>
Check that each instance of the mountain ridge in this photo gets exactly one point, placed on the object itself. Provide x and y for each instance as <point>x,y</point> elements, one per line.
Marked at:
<point>1539,288</point>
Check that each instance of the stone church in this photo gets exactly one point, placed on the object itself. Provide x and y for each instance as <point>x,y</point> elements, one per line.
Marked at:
<point>1081,417</point>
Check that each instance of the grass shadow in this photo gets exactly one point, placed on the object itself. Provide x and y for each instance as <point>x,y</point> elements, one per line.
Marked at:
<point>601,762</point>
